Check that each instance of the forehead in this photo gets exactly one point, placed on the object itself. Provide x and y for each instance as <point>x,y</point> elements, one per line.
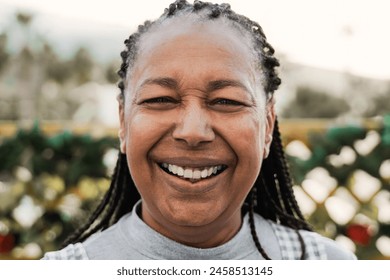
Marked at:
<point>219,33</point>
<point>167,45</point>
<point>195,54</point>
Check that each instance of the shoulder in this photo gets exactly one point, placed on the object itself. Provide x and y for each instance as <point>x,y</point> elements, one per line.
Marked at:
<point>335,251</point>
<point>70,252</point>
<point>102,245</point>
<point>98,246</point>
<point>107,244</point>
<point>316,245</point>
<point>330,248</point>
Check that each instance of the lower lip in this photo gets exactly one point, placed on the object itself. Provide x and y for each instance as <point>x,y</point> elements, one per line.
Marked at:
<point>186,186</point>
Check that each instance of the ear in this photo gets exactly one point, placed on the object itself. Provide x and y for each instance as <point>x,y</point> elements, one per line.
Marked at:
<point>121,132</point>
<point>270,122</point>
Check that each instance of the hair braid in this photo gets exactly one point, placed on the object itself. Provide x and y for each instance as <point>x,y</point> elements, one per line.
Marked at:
<point>78,234</point>
<point>107,216</point>
<point>303,245</point>
<point>277,184</point>
<point>284,175</point>
<point>275,188</point>
<point>288,220</point>
<point>118,200</point>
<point>253,228</point>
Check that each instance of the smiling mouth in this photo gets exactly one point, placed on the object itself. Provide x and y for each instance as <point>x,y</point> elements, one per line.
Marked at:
<point>193,174</point>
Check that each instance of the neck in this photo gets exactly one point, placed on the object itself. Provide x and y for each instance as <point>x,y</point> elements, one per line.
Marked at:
<point>207,236</point>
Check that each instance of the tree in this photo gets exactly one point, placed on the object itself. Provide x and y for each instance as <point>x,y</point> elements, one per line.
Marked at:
<point>310,103</point>
<point>82,65</point>
<point>4,56</point>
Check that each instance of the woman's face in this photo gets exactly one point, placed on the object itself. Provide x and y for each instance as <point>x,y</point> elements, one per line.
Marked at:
<point>194,125</point>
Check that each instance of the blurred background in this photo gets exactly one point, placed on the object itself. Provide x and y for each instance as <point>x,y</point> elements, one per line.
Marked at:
<point>58,113</point>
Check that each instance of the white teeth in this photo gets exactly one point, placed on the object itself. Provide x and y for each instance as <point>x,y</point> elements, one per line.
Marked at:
<point>190,173</point>
<point>196,174</point>
<point>180,171</point>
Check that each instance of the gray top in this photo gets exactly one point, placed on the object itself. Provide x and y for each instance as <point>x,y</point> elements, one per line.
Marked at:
<point>131,238</point>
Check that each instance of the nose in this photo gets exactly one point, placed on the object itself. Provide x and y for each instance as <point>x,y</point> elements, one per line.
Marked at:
<point>194,126</point>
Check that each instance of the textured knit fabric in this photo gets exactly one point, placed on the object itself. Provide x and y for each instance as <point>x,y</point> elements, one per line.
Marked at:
<point>131,238</point>
<point>290,246</point>
<point>70,252</point>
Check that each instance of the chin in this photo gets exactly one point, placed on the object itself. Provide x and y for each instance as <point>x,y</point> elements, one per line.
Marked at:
<point>192,215</point>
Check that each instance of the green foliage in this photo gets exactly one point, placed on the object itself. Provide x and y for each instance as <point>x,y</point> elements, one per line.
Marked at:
<point>69,156</point>
<point>63,175</point>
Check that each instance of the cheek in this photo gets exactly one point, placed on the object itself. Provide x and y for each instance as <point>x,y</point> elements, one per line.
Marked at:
<point>246,136</point>
<point>251,145</point>
<point>142,132</point>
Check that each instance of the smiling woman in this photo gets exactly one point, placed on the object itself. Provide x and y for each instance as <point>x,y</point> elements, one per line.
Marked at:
<point>201,172</point>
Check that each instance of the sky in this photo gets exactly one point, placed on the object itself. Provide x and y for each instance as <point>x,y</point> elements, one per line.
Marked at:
<point>348,35</point>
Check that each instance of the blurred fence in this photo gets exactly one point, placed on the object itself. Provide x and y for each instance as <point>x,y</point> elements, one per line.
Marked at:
<point>342,176</point>
<point>53,174</point>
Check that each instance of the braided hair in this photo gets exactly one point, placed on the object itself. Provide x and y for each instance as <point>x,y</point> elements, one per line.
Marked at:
<point>272,194</point>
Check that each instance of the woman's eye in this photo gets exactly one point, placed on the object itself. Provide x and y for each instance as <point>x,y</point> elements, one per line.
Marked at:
<point>159,103</point>
<point>228,102</point>
<point>225,105</point>
<point>160,100</point>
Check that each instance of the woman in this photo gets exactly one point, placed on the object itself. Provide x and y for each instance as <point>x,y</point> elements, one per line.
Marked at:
<point>201,172</point>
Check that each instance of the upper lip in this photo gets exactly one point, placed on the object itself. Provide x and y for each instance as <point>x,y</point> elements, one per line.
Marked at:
<point>192,162</point>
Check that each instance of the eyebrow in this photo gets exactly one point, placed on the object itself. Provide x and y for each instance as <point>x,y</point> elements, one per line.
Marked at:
<point>221,84</point>
<point>163,82</point>
<point>173,84</point>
